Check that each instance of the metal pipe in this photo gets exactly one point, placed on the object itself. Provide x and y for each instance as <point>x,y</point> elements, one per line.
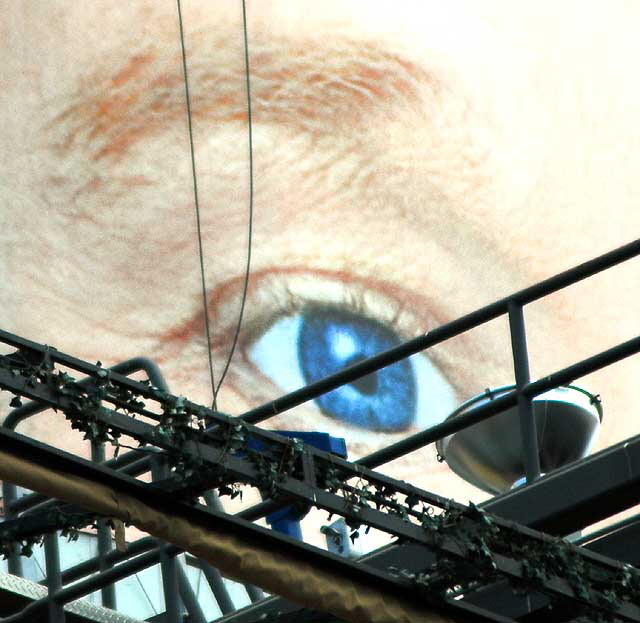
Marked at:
<point>188,597</point>
<point>9,497</point>
<point>213,575</point>
<point>137,364</point>
<point>105,544</point>
<point>444,332</point>
<point>27,502</point>
<point>528,429</point>
<point>54,579</point>
<point>168,564</point>
<point>170,588</point>
<point>219,590</point>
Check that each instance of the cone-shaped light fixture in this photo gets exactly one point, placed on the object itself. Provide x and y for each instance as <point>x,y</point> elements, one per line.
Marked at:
<point>489,454</point>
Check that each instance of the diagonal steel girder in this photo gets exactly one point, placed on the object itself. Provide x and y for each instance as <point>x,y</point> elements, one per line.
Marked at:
<point>24,374</point>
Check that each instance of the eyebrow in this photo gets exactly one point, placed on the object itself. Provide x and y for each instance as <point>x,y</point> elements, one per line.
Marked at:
<point>316,86</point>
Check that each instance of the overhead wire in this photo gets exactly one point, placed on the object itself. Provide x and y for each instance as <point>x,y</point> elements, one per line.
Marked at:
<point>250,226</point>
<point>216,389</point>
<point>197,206</point>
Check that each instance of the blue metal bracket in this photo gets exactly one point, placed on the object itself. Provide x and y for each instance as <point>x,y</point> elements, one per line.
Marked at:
<point>287,520</point>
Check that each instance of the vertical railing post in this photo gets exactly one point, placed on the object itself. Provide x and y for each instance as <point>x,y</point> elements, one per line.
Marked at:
<point>54,577</point>
<point>105,544</point>
<point>167,563</point>
<point>528,429</point>
<point>9,496</point>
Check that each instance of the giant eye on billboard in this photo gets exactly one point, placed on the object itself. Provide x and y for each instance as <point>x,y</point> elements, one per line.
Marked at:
<point>409,164</point>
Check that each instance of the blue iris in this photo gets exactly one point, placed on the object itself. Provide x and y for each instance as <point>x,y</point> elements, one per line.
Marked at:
<point>331,339</point>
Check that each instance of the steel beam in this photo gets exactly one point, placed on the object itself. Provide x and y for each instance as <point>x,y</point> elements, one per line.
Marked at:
<point>18,378</point>
<point>599,485</point>
<point>577,495</point>
<point>61,461</point>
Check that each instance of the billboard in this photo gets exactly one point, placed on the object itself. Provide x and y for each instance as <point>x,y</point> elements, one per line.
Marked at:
<point>410,164</point>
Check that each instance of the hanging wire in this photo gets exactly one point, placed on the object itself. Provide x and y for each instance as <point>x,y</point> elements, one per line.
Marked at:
<point>250,227</point>
<point>197,205</point>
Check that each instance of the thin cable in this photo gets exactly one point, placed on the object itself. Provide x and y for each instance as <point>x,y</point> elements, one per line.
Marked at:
<point>144,590</point>
<point>250,233</point>
<point>197,204</point>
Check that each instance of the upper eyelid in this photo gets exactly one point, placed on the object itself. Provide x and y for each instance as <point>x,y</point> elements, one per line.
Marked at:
<point>277,292</point>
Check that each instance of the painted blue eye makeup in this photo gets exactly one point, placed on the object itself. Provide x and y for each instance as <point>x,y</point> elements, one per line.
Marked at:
<point>319,340</point>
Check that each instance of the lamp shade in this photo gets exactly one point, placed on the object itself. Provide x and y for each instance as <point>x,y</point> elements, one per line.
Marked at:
<point>489,454</point>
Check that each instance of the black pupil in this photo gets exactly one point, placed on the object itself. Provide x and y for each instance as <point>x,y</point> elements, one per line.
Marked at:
<point>367,385</point>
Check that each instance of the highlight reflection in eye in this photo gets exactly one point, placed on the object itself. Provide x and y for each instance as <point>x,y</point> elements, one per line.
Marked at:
<point>318,341</point>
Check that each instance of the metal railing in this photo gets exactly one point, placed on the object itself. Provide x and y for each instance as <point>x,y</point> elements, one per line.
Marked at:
<point>139,554</point>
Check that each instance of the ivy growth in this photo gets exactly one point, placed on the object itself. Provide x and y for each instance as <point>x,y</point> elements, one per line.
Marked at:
<point>29,530</point>
<point>471,546</point>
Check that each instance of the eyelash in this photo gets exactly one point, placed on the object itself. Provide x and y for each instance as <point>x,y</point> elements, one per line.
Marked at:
<point>285,293</point>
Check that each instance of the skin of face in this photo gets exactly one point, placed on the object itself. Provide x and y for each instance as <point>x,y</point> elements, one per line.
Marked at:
<point>410,164</point>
